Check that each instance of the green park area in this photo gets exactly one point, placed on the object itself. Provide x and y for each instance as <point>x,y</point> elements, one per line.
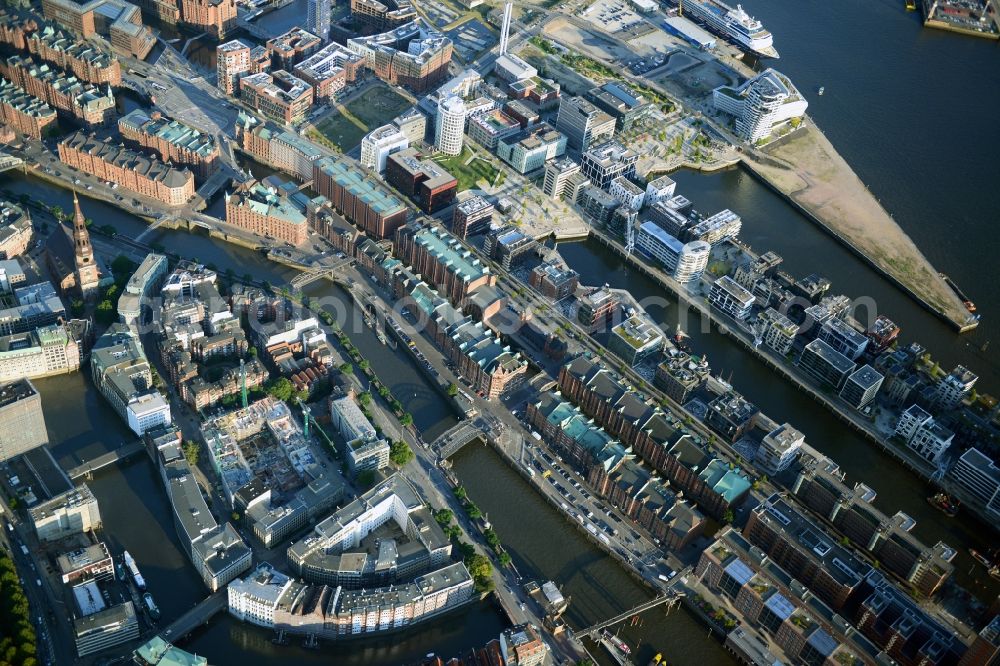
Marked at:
<point>373,108</point>
<point>469,168</point>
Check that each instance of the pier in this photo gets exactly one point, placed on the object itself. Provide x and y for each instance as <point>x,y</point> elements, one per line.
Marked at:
<point>88,468</point>
<point>197,616</point>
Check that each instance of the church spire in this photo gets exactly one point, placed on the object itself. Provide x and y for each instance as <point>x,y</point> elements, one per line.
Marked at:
<point>83,254</point>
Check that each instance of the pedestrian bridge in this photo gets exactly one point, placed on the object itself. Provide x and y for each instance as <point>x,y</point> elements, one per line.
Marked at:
<point>594,631</point>
<point>123,452</point>
<point>313,274</point>
<point>453,439</point>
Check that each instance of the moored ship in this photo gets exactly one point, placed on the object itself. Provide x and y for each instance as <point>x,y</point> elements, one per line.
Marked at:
<point>154,612</point>
<point>733,24</point>
<point>944,504</point>
<point>140,582</point>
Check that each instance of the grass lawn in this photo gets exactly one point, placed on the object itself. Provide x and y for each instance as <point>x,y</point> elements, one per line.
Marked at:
<point>467,174</point>
<point>377,106</point>
<point>338,132</point>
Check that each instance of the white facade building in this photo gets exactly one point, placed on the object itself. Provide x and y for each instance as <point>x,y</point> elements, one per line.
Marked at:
<point>686,261</point>
<point>779,449</point>
<point>761,104</point>
<point>660,189</point>
<point>953,387</point>
<point>931,441</point>
<point>378,144</point>
<point>729,297</point>
<point>980,477</point>
<point>254,598</point>
<point>910,421</point>
<point>147,411</point>
<point>630,194</point>
<point>777,330</point>
<point>449,128</point>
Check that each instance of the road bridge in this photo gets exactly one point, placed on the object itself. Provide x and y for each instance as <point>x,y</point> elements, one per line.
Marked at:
<point>123,452</point>
<point>453,439</point>
<point>194,618</point>
<point>8,162</point>
<point>310,276</point>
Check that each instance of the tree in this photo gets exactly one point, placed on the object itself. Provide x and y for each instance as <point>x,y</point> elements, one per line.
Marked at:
<point>444,517</point>
<point>473,511</point>
<point>727,517</point>
<point>122,265</point>
<point>235,516</point>
<point>364,365</point>
<point>400,453</point>
<point>366,479</point>
<point>460,493</point>
<point>365,399</point>
<point>191,452</point>
<point>504,558</point>
<point>281,388</point>
<point>346,368</point>
<point>105,313</point>
<point>406,420</point>
<point>253,352</point>
<point>453,389</point>
<point>57,212</point>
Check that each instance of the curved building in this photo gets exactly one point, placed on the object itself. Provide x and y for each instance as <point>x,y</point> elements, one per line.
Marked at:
<point>449,129</point>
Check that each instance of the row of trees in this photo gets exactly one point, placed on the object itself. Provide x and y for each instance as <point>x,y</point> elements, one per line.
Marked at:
<point>17,634</point>
<point>479,566</point>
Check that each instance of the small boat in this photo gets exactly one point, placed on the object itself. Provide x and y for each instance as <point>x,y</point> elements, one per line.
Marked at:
<point>381,338</point>
<point>154,612</point>
<point>911,5</point>
<point>982,559</point>
<point>120,571</point>
<point>618,643</point>
<point>821,91</point>
<point>656,661</point>
<point>134,570</point>
<point>944,504</point>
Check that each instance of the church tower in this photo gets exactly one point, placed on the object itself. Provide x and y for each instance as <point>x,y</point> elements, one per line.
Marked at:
<point>83,255</point>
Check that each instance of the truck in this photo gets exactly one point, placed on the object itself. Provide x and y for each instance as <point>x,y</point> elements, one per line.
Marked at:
<point>24,549</point>
<point>536,435</point>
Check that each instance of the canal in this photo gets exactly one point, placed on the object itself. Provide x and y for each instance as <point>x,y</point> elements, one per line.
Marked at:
<point>545,546</point>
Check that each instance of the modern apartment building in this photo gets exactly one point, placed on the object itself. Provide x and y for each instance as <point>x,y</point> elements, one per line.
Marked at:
<point>449,125</point>
<point>377,16</point>
<point>318,18</point>
<point>619,101</point>
<point>531,148</point>
<point>686,262</point>
<point>412,55</point>
<point>278,95</point>
<point>22,424</point>
<point>41,352</point>
<point>979,476</point>
<point>557,175</point>
<point>292,47</point>
<point>488,129</point>
<point>554,281</point>
<point>843,338</point>
<point>329,70</point>
<point>146,176</point>
<point>377,145</point>
<point>776,330</point>
<point>636,339</point>
<point>729,297</point>
<point>471,217</point>
<point>606,161</point>
<point>364,449</point>
<point>761,104</point>
<point>862,387</point>
<point>826,365</point>
<point>172,140</point>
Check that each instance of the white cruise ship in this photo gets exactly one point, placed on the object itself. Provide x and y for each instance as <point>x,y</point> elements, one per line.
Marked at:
<point>734,24</point>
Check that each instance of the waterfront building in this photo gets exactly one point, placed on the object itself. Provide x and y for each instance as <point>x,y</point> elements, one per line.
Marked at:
<point>619,101</point>
<point>685,261</point>
<point>92,562</point>
<point>158,652</point>
<point>729,297</point>
<point>606,161</point>
<point>122,374</point>
<point>140,287</point>
<point>478,354</point>
<point>109,160</point>
<point>266,211</point>
<point>278,95</point>
<point>292,47</point>
<point>931,440</point>
<point>779,449</point>
<point>173,141</point>
<point>819,486</point>
<point>364,448</point>
<point>412,123</point>
<point>72,512</point>
<point>84,59</point>
<point>423,180</point>
<point>670,219</point>
<point>636,339</point>
<point>778,624</point>
<point>489,128</point>
<point>22,424</point>
<point>507,245</point>
<point>329,70</point>
<point>761,105</point>
<point>412,55</point>
<point>583,123</point>
<point>598,205</point>
<point>679,374</point>
<point>653,435</point>
<point>952,389</point>
<point>731,416</point>
<point>843,338</point>
<point>41,352</point>
<point>449,125</point>
<point>362,200</point>
<point>531,148</point>
<point>442,260</point>
<point>660,189</point>
<point>749,273</point>
<point>564,427</point>
<point>24,113</point>
<point>471,217</point>
<point>862,387</point>
<point>16,230</point>
<point>337,553</point>
<point>85,102</point>
<point>979,476</point>
<point>318,18</point>
<point>253,599</point>
<point>557,175</point>
<point>597,307</point>
<point>377,145</point>
<point>117,21</point>
<point>826,365</point>
<point>105,628</point>
<point>776,330</point>
<point>37,305</point>
<point>724,225</point>
<point>985,648</point>
<point>554,281</point>
<point>216,17</point>
<point>882,334</point>
<point>280,148</point>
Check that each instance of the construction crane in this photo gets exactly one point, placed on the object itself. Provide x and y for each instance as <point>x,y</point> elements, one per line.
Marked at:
<point>305,419</point>
<point>243,383</point>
